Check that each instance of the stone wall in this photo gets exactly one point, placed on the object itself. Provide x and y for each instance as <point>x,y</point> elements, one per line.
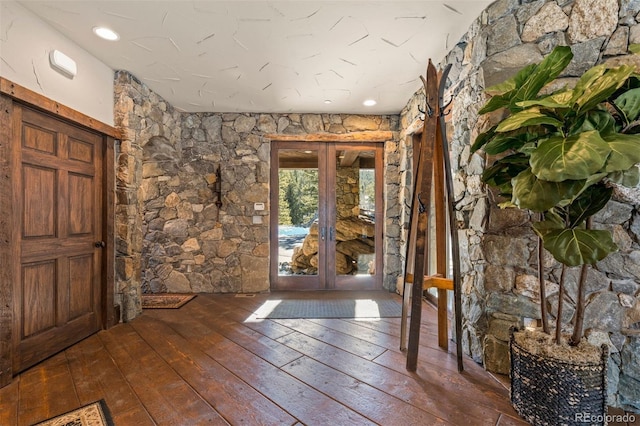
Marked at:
<point>347,190</point>
<point>171,236</point>
<point>498,248</point>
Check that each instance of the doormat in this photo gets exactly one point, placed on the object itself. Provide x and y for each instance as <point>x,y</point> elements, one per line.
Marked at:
<point>94,414</point>
<point>340,308</point>
<point>165,301</point>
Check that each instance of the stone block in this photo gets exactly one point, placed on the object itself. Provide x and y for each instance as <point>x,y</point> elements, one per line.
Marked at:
<point>501,328</point>
<point>504,65</point>
<point>312,123</point>
<point>550,18</point>
<point>509,251</point>
<point>496,355</point>
<point>513,305</point>
<point>604,312</point>
<point>356,123</point>
<point>498,278</point>
<point>501,219</point>
<point>503,34</point>
<point>590,19</point>
<point>177,282</point>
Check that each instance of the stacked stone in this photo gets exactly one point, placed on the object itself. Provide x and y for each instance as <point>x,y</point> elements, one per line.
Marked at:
<point>170,235</point>
<point>355,243</point>
<point>498,249</point>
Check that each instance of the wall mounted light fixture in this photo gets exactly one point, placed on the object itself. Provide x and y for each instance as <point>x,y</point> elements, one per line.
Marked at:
<point>217,190</point>
<point>63,64</point>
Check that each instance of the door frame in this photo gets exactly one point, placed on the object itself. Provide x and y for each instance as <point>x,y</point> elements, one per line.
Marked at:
<point>12,94</point>
<point>326,191</point>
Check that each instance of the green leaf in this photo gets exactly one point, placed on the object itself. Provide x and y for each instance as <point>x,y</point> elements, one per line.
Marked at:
<point>512,83</point>
<point>590,202</point>
<point>575,157</point>
<point>625,151</point>
<point>600,120</point>
<point>574,247</point>
<point>601,87</point>
<point>546,71</point>
<point>629,178</point>
<point>496,102</point>
<point>528,117</point>
<point>504,169</point>
<point>537,195</point>
<point>502,143</point>
<point>634,48</point>
<point>483,138</point>
<point>629,104</point>
<point>558,100</point>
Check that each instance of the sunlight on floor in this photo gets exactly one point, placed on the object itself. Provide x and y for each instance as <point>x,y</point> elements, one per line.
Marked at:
<point>263,311</point>
<point>365,309</point>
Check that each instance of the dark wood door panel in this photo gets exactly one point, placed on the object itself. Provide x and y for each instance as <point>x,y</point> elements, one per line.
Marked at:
<point>39,208</point>
<point>61,201</point>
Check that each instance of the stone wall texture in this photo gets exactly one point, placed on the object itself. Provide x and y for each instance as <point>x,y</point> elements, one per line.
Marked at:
<point>498,248</point>
<point>171,236</point>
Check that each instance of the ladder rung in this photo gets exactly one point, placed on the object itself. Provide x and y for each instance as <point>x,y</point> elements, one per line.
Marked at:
<point>432,281</point>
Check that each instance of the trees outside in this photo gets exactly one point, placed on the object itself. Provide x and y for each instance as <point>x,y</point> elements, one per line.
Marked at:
<point>298,195</point>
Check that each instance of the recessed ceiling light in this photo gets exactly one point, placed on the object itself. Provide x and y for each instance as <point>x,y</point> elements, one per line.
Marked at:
<point>106,33</point>
<point>369,102</point>
<point>327,101</point>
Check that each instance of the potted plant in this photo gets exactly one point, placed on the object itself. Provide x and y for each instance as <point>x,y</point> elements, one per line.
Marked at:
<point>558,154</point>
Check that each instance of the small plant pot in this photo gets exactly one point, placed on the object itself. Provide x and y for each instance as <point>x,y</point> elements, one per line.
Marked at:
<point>549,391</point>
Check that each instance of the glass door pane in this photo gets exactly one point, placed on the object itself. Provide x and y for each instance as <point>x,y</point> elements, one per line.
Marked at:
<point>354,236</point>
<point>298,213</point>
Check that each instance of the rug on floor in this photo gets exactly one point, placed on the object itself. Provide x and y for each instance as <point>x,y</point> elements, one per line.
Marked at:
<point>165,301</point>
<point>94,414</point>
<point>339,308</point>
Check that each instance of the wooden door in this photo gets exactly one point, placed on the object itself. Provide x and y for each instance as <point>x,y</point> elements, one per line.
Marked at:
<point>326,216</point>
<point>57,203</point>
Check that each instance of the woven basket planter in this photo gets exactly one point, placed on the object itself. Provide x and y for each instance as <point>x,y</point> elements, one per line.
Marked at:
<point>547,391</point>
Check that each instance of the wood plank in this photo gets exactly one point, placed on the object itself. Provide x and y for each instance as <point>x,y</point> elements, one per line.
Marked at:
<point>350,156</point>
<point>430,397</point>
<point>96,376</point>
<point>238,312</point>
<point>234,399</point>
<point>109,317</point>
<point>372,403</point>
<point>465,386</point>
<point>14,90</point>
<point>9,402</point>
<point>7,242</point>
<point>167,398</point>
<point>440,215</point>
<point>363,136</point>
<point>266,348</point>
<point>302,401</point>
<point>46,390</point>
<point>354,345</point>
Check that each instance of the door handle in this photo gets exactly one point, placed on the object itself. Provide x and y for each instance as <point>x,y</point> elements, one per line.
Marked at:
<point>100,244</point>
<point>322,231</point>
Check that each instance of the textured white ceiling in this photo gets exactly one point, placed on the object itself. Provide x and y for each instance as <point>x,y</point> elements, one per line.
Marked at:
<point>270,56</point>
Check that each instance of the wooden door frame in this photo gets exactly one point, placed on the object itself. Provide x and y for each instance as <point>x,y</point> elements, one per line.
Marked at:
<point>373,140</point>
<point>11,94</point>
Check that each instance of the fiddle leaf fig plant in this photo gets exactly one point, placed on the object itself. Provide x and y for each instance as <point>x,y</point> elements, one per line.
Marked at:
<point>559,151</point>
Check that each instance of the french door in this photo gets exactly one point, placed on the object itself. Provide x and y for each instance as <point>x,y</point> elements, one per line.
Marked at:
<point>326,216</point>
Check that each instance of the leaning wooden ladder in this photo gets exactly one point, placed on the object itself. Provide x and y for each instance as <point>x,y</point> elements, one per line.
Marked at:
<point>432,177</point>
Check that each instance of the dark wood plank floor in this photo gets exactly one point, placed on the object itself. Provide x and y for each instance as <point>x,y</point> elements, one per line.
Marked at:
<point>213,362</point>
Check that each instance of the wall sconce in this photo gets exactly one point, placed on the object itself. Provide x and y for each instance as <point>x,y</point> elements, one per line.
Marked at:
<point>63,64</point>
<point>217,190</point>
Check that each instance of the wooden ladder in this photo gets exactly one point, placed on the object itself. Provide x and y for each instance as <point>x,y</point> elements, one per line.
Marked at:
<point>432,178</point>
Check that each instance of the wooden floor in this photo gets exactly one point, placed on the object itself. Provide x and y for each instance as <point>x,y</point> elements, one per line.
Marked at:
<point>212,362</point>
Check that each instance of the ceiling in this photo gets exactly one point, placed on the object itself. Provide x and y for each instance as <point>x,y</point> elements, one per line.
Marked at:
<point>269,56</point>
